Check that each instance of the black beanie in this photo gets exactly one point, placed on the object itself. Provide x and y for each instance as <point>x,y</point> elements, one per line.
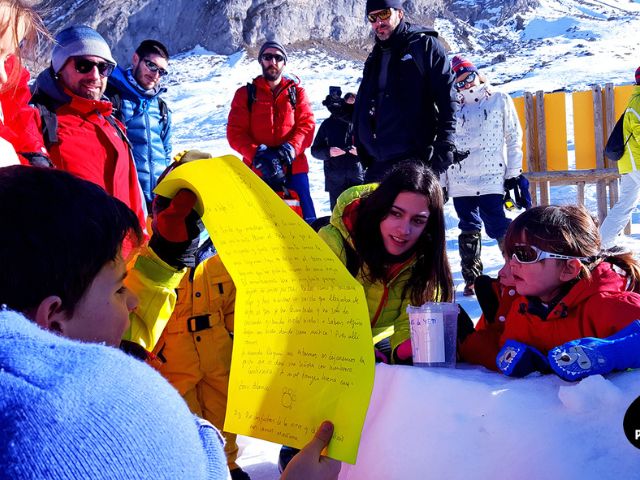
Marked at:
<point>374,5</point>
<point>273,44</point>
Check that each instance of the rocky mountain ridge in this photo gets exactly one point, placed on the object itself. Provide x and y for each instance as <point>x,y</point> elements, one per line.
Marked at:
<point>226,26</point>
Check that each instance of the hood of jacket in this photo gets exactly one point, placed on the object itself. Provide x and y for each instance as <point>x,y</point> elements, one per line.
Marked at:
<point>47,85</point>
<point>119,79</point>
<point>603,279</point>
<point>344,213</point>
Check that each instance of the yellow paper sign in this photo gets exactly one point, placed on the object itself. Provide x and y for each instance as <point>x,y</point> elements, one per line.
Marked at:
<point>302,344</point>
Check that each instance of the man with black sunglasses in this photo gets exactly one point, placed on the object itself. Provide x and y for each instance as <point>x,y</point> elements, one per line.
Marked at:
<point>271,124</point>
<point>135,96</point>
<point>406,103</point>
<point>80,133</point>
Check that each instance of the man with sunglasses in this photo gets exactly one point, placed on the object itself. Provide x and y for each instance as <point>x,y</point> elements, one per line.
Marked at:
<point>271,124</point>
<point>80,133</point>
<point>406,103</point>
<point>135,96</point>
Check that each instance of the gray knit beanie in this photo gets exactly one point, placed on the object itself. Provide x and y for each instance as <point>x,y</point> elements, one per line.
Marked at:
<point>273,44</point>
<point>72,410</point>
<point>77,41</point>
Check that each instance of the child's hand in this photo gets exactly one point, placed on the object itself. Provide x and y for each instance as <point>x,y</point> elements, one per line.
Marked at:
<point>309,464</point>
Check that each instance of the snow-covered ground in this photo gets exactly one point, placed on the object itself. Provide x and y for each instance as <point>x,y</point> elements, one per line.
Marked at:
<point>483,425</point>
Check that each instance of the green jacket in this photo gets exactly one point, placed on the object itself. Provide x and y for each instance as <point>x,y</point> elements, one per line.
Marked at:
<point>155,283</point>
<point>387,310</point>
<point>630,160</point>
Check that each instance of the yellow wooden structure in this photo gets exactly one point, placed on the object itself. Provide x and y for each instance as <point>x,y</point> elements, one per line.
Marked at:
<point>546,141</point>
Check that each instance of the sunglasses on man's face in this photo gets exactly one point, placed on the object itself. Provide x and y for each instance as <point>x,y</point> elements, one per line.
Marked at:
<point>469,79</point>
<point>267,57</point>
<point>155,68</point>
<point>84,66</point>
<point>530,254</point>
<point>381,15</point>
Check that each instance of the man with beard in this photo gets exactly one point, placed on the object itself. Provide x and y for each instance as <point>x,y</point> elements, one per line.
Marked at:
<point>271,124</point>
<point>135,96</point>
<point>79,131</point>
<point>406,103</point>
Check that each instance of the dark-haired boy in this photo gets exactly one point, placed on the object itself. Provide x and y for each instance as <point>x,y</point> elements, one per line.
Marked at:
<point>63,269</point>
<point>135,95</point>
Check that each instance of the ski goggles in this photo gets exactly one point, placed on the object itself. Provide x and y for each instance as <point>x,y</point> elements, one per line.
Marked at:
<point>267,57</point>
<point>84,66</point>
<point>529,254</point>
<point>469,79</point>
<point>381,15</point>
<point>155,68</point>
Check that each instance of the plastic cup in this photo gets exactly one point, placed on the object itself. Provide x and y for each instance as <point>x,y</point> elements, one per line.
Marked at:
<point>434,333</point>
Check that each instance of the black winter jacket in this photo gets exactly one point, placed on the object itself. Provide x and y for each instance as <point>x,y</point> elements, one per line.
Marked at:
<point>416,107</point>
<point>336,131</point>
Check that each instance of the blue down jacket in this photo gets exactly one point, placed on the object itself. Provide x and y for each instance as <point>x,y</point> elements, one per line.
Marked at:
<point>149,131</point>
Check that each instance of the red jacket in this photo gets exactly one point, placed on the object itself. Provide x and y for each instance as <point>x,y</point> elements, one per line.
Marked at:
<point>21,123</point>
<point>483,345</point>
<point>272,121</point>
<point>88,145</point>
<point>598,307</point>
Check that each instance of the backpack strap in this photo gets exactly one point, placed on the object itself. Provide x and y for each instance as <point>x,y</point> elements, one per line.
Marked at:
<point>49,124</point>
<point>164,116</point>
<point>116,105</point>
<point>251,95</point>
<point>112,121</point>
<point>293,96</point>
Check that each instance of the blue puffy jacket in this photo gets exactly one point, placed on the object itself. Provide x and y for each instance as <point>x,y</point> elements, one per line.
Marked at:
<point>148,128</point>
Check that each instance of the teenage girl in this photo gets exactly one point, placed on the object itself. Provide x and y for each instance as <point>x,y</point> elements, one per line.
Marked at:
<point>391,236</point>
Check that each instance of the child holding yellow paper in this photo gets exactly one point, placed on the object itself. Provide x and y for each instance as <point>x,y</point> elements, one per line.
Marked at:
<point>391,236</point>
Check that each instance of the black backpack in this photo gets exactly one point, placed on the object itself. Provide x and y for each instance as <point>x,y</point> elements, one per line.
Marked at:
<point>251,95</point>
<point>614,149</point>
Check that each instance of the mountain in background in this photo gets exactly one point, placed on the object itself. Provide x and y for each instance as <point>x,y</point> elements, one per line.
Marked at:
<point>226,26</point>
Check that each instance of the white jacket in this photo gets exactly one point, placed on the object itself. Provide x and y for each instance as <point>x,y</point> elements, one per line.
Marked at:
<point>487,126</point>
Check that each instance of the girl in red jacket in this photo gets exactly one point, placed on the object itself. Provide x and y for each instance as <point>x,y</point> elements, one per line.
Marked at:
<point>568,289</point>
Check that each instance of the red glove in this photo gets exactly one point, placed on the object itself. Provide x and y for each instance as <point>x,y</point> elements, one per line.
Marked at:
<point>404,353</point>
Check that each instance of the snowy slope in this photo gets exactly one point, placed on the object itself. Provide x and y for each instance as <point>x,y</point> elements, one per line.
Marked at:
<point>563,45</point>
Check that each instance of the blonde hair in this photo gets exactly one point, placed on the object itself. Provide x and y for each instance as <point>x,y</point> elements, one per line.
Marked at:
<point>18,15</point>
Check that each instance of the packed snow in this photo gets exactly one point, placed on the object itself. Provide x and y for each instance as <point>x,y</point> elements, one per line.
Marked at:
<point>464,423</point>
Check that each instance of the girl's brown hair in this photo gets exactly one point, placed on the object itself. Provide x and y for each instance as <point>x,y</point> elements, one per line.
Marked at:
<point>570,230</point>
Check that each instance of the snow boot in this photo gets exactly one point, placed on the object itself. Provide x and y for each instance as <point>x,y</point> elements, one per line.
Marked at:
<point>516,359</point>
<point>469,246</point>
<point>239,474</point>
<point>587,356</point>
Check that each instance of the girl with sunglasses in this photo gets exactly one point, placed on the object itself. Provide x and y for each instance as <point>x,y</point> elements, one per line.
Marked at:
<point>488,127</point>
<point>568,289</point>
<point>391,236</point>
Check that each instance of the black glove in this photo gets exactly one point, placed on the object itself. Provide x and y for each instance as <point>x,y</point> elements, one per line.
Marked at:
<point>175,225</point>
<point>465,325</point>
<point>445,195</point>
<point>267,160</point>
<point>442,156</point>
<point>510,183</point>
<point>287,154</point>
